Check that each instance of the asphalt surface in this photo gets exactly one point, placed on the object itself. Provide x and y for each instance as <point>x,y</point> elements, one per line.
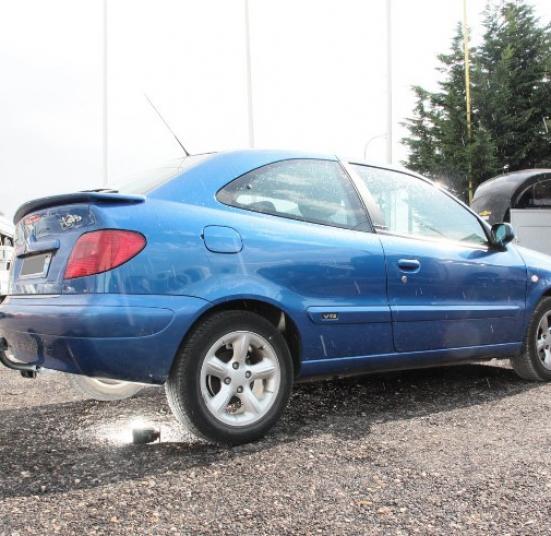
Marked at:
<point>462,450</point>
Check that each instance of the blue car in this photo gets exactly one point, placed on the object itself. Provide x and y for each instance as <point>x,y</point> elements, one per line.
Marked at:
<point>230,276</point>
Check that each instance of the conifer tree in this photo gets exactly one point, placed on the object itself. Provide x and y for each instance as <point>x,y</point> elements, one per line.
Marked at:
<point>514,93</point>
<point>511,103</point>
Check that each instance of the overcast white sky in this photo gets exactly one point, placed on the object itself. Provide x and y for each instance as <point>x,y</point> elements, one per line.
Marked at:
<point>318,75</point>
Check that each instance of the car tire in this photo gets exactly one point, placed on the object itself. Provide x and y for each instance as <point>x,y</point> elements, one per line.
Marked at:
<point>232,378</point>
<point>534,361</point>
<point>104,390</point>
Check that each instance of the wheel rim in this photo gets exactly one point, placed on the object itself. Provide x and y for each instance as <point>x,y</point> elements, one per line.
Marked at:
<point>240,378</point>
<point>543,341</point>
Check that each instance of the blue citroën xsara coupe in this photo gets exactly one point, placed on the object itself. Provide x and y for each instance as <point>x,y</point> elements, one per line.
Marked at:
<point>230,276</point>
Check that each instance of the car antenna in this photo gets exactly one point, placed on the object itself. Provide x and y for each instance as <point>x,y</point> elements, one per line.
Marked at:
<point>167,125</point>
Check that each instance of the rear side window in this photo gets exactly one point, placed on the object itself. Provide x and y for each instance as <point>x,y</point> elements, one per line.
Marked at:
<point>316,191</point>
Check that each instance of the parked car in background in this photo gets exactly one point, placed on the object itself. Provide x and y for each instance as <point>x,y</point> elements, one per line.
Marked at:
<point>522,198</point>
<point>230,276</point>
<point>6,253</point>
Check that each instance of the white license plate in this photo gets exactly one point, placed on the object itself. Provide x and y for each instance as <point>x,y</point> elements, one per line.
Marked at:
<point>36,265</point>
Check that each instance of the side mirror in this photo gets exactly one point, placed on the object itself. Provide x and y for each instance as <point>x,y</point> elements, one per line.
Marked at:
<point>502,234</point>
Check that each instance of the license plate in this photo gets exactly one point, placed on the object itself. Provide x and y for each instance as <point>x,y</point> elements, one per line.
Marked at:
<point>35,266</point>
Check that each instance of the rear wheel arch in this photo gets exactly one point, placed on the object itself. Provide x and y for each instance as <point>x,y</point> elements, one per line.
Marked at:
<point>274,314</point>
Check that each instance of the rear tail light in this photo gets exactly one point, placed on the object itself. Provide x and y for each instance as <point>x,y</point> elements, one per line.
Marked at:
<point>100,251</point>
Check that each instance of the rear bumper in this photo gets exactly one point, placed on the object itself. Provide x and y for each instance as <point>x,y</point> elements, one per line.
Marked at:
<point>125,337</point>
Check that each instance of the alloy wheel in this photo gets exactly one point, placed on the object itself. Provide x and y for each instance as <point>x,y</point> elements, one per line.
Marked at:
<point>240,378</point>
<point>543,341</point>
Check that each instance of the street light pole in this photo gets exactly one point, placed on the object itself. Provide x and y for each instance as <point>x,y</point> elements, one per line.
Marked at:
<point>249,74</point>
<point>105,101</point>
<point>468,99</point>
<point>389,81</point>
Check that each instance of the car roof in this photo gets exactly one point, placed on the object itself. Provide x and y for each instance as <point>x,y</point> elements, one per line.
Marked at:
<point>252,156</point>
<point>198,183</point>
<point>383,165</point>
<point>211,172</point>
<point>238,162</point>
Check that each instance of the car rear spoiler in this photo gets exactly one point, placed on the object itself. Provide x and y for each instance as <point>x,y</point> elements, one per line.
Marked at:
<point>78,197</point>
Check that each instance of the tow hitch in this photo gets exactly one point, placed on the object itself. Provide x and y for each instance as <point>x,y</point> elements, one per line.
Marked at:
<point>27,370</point>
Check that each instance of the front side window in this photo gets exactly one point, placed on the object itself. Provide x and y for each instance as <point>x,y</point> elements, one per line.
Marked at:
<point>316,191</point>
<point>405,205</point>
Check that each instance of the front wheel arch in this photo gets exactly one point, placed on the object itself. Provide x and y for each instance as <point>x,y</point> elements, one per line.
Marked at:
<point>527,363</point>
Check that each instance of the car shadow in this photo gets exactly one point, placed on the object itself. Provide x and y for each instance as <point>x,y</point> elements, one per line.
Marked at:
<point>85,444</point>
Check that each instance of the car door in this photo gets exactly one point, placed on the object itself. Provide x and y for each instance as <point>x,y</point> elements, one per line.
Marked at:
<point>301,224</point>
<point>447,287</point>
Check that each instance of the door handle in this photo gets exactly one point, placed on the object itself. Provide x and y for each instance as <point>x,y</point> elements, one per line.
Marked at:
<point>409,265</point>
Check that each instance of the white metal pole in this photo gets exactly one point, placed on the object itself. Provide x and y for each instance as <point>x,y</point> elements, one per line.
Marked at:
<point>249,74</point>
<point>105,101</point>
<point>468,97</point>
<point>389,80</point>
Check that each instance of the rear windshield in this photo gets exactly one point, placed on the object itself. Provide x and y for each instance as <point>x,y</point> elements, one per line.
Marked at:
<point>145,182</point>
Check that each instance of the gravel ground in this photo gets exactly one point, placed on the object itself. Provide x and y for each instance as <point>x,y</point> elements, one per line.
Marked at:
<point>460,450</point>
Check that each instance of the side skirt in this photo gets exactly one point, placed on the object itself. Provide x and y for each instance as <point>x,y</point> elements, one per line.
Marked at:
<point>403,361</point>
